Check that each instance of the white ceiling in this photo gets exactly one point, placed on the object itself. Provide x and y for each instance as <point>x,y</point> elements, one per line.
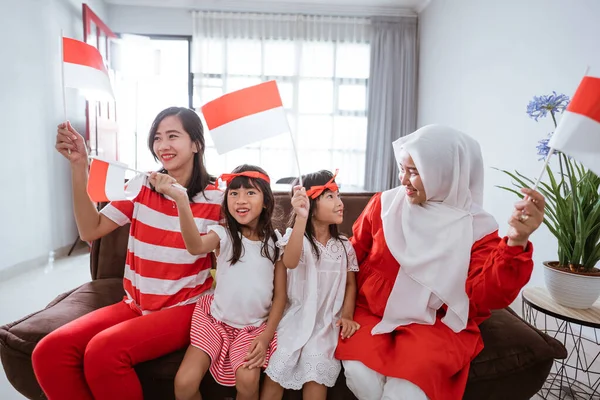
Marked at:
<point>342,7</point>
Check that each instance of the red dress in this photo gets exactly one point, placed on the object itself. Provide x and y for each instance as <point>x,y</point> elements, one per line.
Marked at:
<point>432,357</point>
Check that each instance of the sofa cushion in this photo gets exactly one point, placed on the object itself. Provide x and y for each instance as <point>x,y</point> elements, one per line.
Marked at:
<point>511,345</point>
<point>354,203</point>
<point>515,361</point>
<point>107,258</point>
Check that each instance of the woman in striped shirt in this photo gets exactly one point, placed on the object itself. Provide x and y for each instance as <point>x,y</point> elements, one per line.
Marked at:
<point>93,356</point>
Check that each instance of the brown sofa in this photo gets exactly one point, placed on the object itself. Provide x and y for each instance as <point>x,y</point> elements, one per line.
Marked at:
<point>514,364</point>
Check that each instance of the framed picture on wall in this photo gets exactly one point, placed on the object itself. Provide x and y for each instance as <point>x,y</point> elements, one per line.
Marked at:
<point>101,129</point>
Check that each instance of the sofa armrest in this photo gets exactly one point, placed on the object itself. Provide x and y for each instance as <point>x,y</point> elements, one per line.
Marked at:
<point>515,361</point>
<point>19,338</point>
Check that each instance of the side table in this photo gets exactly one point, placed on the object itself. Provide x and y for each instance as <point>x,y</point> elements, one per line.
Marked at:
<point>577,376</point>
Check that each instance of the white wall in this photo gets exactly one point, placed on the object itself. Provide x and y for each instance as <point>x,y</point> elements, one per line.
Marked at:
<point>480,64</point>
<point>35,206</point>
<point>150,20</point>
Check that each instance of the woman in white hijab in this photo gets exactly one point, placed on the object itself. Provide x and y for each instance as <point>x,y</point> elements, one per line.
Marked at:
<point>432,266</point>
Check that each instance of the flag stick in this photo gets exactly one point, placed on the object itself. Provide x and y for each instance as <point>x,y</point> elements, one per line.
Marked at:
<point>296,155</point>
<point>62,74</point>
<point>551,151</point>
<point>120,165</point>
<point>537,182</point>
<point>135,170</point>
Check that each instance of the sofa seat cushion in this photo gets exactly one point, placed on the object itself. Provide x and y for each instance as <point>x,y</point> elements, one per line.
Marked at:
<point>24,334</point>
<point>157,377</point>
<point>511,346</point>
<point>514,353</point>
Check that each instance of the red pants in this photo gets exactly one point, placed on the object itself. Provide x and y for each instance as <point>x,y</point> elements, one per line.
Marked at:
<point>92,358</point>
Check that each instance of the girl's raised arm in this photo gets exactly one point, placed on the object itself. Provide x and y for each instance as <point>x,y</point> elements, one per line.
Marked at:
<point>293,249</point>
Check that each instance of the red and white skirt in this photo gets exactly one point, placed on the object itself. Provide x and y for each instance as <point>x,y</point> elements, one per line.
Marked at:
<point>226,346</point>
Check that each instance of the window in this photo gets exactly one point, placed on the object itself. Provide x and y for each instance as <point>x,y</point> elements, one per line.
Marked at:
<point>153,75</point>
<point>323,86</point>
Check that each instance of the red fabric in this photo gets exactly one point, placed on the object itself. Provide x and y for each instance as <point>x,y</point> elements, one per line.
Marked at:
<point>315,191</point>
<point>586,100</point>
<point>92,358</point>
<point>154,225</point>
<point>431,356</point>
<point>241,103</point>
<point>226,346</point>
<point>227,178</point>
<point>76,52</point>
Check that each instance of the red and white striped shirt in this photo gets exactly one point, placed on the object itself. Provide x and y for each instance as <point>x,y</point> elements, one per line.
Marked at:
<point>159,271</point>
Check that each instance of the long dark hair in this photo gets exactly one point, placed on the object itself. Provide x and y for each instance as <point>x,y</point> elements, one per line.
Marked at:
<point>316,179</point>
<point>264,228</point>
<point>193,127</point>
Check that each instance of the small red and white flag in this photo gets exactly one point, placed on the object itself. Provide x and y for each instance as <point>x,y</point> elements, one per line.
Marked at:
<point>106,182</point>
<point>245,116</point>
<point>84,67</point>
<point>578,133</point>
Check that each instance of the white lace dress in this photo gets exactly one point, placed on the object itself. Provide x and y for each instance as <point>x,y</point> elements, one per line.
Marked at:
<point>307,335</point>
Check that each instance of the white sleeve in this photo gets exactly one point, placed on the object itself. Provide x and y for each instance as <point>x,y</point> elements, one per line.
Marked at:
<point>282,241</point>
<point>119,211</point>
<point>352,263</point>
<point>224,240</point>
<point>219,230</point>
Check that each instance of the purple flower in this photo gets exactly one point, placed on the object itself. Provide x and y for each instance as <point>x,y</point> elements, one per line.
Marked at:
<point>543,147</point>
<point>541,105</point>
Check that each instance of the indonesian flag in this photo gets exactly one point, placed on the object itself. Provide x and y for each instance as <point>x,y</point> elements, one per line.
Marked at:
<point>106,182</point>
<point>84,67</point>
<point>578,133</point>
<point>246,116</point>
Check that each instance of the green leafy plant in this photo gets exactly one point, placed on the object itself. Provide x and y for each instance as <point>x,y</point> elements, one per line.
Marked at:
<point>572,194</point>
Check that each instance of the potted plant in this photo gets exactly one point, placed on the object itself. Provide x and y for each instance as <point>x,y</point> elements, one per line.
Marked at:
<point>572,215</point>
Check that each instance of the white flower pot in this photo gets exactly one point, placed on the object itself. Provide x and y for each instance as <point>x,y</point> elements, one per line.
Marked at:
<point>572,289</point>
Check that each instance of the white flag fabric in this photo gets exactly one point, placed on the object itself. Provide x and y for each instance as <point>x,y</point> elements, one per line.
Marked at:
<point>106,182</point>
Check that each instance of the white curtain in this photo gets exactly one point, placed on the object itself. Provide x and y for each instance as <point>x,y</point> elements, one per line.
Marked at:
<point>280,26</point>
<point>392,97</point>
<point>321,65</point>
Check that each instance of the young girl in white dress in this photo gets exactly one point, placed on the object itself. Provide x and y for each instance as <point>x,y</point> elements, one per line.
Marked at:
<point>321,293</point>
<point>233,331</point>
